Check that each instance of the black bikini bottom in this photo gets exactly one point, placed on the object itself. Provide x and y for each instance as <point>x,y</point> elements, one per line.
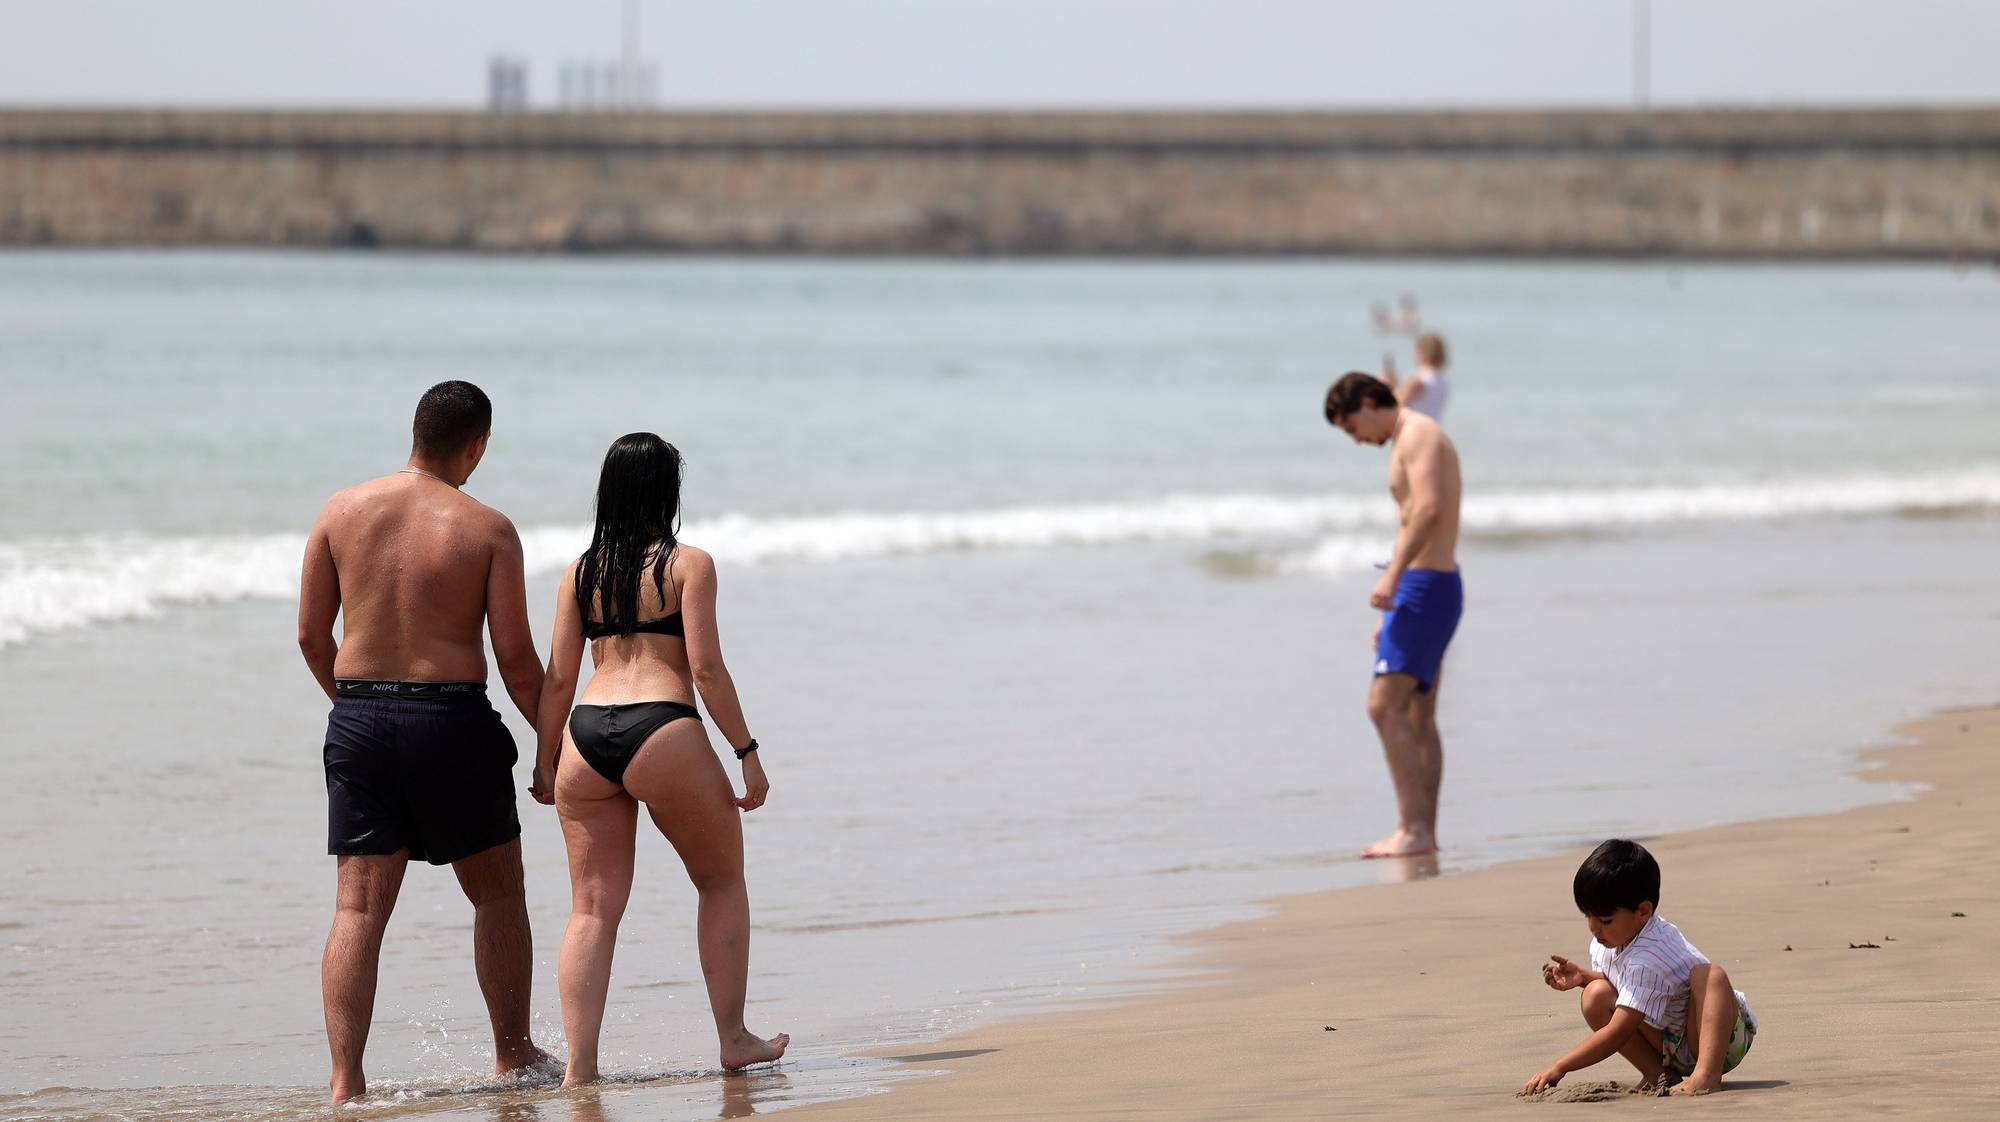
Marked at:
<point>608,736</point>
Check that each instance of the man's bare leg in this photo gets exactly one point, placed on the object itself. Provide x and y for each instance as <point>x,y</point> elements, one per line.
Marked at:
<point>363,900</point>
<point>1389,705</point>
<point>1712,1015</point>
<point>1600,1000</point>
<point>502,950</point>
<point>1423,717</point>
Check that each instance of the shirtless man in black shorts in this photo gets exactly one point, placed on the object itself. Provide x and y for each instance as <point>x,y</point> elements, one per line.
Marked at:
<point>417,762</point>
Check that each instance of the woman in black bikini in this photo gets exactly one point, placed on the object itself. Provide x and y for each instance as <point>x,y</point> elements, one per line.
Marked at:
<point>646,605</point>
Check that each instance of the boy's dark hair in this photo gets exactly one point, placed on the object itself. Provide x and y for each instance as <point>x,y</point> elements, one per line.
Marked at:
<point>1354,390</point>
<point>1618,874</point>
<point>450,416</point>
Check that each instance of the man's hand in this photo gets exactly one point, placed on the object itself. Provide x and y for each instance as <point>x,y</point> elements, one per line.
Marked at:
<point>1543,1080</point>
<point>1384,596</point>
<point>1562,974</point>
<point>755,787</point>
<point>543,786</point>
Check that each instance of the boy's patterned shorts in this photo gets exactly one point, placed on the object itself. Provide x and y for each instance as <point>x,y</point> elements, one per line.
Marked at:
<point>1679,1047</point>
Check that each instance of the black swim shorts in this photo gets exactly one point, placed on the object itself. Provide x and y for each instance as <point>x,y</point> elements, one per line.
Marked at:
<point>426,766</point>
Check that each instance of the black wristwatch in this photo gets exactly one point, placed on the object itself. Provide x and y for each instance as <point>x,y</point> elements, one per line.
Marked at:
<point>747,748</point>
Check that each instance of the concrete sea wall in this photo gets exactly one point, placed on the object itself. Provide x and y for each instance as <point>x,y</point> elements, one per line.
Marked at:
<point>1827,183</point>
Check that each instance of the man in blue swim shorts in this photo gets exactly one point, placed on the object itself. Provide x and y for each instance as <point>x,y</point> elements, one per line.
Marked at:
<point>1420,598</point>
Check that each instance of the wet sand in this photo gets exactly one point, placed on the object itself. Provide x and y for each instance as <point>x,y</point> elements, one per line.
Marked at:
<point>1868,941</point>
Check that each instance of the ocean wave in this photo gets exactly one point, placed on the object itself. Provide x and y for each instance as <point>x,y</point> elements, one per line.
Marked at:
<point>53,585</point>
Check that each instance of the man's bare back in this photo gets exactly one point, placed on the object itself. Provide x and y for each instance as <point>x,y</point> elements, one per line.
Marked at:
<point>412,559</point>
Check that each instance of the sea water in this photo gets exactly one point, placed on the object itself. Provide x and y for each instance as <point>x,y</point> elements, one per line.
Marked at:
<point>1044,585</point>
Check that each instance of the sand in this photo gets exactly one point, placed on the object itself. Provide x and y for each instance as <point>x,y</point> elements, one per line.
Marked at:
<point>1868,942</point>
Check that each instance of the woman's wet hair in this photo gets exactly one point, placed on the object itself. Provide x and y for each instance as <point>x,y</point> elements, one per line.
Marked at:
<point>1618,874</point>
<point>450,416</point>
<point>637,518</point>
<point>1354,390</point>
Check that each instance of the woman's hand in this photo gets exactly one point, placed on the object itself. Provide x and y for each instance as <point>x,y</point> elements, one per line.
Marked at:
<point>543,787</point>
<point>755,787</point>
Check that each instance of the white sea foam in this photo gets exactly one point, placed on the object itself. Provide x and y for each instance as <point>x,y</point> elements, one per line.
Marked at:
<point>52,585</point>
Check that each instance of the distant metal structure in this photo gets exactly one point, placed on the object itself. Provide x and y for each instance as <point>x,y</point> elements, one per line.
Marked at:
<point>506,84</point>
<point>1642,53</point>
<point>628,83</point>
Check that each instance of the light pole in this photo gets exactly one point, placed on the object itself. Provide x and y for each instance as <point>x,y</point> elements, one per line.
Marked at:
<point>1642,52</point>
<point>628,57</point>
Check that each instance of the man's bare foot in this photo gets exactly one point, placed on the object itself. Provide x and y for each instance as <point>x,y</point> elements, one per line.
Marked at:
<point>749,1049</point>
<point>347,1089</point>
<point>1700,1083</point>
<point>1402,843</point>
<point>522,1061</point>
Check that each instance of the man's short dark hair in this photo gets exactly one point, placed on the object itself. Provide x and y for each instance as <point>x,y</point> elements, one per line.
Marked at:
<point>450,416</point>
<point>1618,874</point>
<point>1352,392</point>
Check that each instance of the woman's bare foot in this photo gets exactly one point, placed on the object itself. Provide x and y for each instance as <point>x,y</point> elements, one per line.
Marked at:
<point>1402,843</point>
<point>749,1048</point>
<point>1700,1083</point>
<point>577,1075</point>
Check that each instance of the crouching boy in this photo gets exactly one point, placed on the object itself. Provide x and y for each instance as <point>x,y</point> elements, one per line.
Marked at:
<point>1648,995</point>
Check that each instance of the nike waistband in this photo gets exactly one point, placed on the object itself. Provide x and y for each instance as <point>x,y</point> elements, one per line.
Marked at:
<point>407,691</point>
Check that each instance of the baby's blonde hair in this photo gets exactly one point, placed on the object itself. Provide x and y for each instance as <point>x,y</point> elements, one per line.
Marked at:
<point>1430,349</point>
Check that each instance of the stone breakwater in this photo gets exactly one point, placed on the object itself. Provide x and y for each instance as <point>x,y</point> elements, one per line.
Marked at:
<point>1735,183</point>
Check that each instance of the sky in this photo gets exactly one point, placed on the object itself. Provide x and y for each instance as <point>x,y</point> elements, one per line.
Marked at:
<point>997,53</point>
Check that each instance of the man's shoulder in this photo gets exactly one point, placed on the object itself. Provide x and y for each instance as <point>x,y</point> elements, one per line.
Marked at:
<point>1429,437</point>
<point>349,498</point>
<point>486,516</point>
<point>483,524</point>
<point>1420,433</point>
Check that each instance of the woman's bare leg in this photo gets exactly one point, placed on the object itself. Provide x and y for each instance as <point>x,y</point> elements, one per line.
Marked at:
<point>685,789</point>
<point>599,822</point>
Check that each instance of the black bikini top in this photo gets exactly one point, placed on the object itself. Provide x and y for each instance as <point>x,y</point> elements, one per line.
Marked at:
<point>664,625</point>
<point>669,624</point>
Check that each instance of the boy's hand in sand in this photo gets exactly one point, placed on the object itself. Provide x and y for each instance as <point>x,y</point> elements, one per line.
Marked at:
<point>1543,1080</point>
<point>1562,974</point>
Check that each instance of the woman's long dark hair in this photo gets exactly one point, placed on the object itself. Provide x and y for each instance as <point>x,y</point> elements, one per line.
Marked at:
<point>638,510</point>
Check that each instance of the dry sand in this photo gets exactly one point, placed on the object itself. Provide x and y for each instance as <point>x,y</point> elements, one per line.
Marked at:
<point>1434,996</point>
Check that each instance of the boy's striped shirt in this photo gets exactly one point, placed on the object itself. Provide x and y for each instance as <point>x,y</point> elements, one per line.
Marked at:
<point>1651,973</point>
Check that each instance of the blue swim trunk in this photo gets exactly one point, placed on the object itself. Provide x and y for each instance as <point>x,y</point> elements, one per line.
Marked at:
<point>1419,627</point>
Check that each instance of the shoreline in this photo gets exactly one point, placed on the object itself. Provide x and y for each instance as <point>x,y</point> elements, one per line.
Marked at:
<point>1862,936</point>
